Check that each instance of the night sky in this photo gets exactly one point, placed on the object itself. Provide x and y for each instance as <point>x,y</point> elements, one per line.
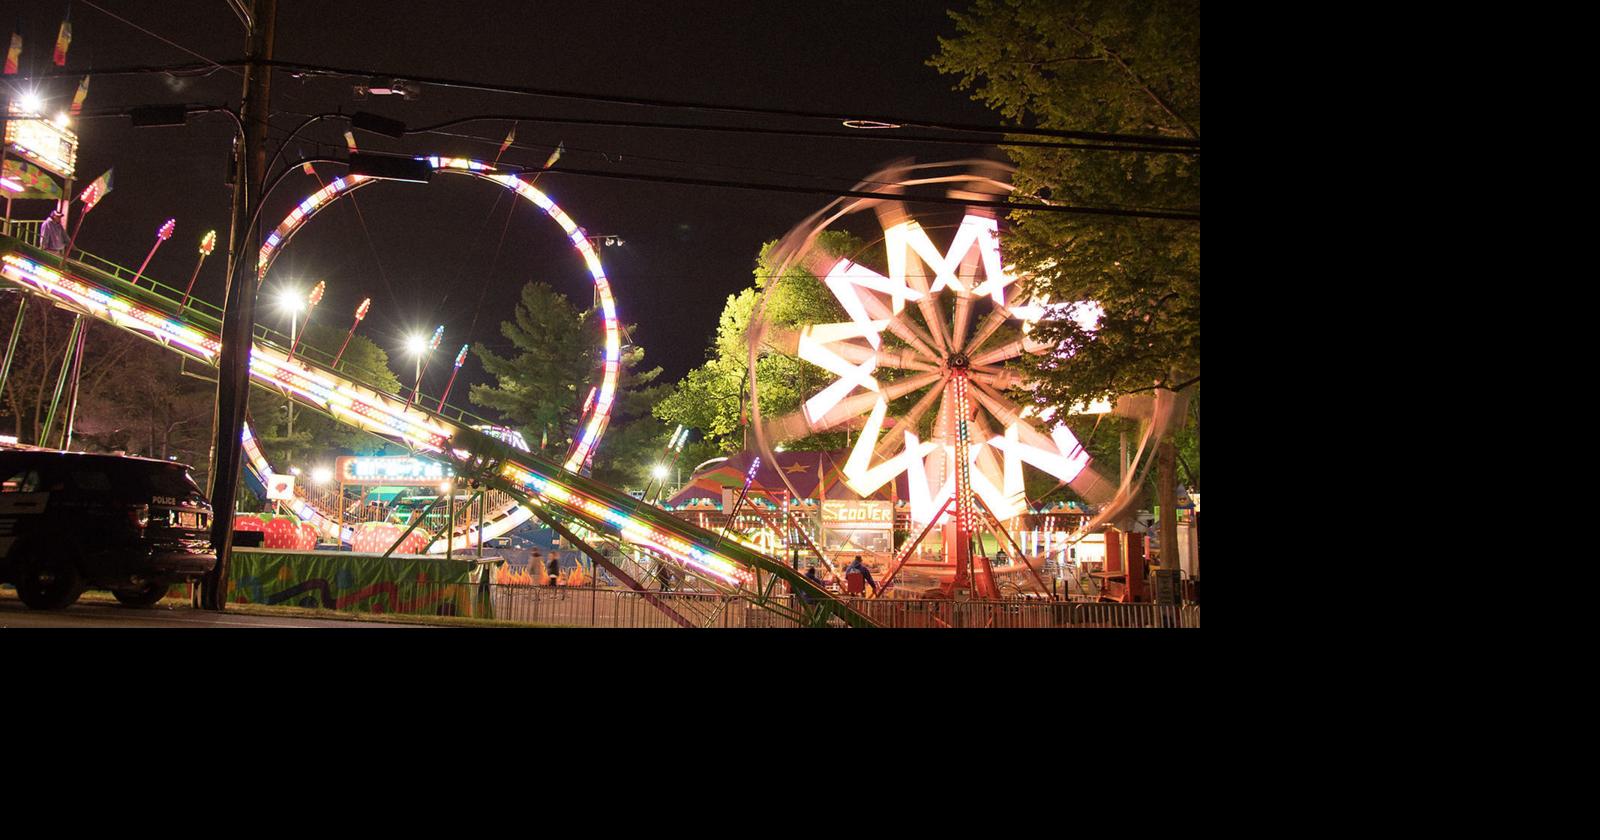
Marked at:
<point>434,254</point>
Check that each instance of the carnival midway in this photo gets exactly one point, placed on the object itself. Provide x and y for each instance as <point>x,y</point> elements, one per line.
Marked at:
<point>943,498</point>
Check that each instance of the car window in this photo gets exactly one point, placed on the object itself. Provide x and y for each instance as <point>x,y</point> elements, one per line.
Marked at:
<point>164,481</point>
<point>21,481</point>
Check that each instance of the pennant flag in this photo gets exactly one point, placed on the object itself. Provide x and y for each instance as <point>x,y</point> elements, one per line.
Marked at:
<point>350,140</point>
<point>306,168</point>
<point>62,41</point>
<point>96,191</point>
<point>77,98</point>
<point>511,137</point>
<point>556,155</point>
<point>14,54</point>
<point>22,179</point>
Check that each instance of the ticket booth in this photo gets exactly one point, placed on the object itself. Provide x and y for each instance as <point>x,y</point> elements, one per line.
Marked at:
<point>858,526</point>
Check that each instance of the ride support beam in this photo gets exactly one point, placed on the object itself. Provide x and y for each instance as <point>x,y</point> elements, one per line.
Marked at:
<point>600,560</point>
<point>1021,557</point>
<point>912,546</point>
<point>61,381</point>
<point>11,349</point>
<point>413,526</point>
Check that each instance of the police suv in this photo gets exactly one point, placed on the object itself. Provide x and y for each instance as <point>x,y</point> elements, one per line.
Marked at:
<point>72,520</point>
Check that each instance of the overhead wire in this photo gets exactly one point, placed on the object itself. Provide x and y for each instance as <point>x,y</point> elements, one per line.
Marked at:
<point>1180,214</point>
<point>1154,140</point>
<point>799,132</point>
<point>302,69</point>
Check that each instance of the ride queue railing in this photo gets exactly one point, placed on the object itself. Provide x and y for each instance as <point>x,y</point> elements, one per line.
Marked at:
<point>582,606</point>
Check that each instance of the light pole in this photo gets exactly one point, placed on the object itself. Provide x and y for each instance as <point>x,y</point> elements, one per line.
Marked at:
<point>289,300</point>
<point>417,346</point>
<point>311,303</point>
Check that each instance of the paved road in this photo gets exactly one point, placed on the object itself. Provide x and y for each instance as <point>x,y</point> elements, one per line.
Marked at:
<point>95,615</point>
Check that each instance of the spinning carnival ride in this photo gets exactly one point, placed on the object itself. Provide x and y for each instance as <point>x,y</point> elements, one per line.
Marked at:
<point>932,336</point>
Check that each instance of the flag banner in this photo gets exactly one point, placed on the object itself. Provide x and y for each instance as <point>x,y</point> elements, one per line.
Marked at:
<point>77,98</point>
<point>22,179</point>
<point>306,168</point>
<point>96,191</point>
<point>350,140</point>
<point>62,40</point>
<point>556,155</point>
<point>511,137</point>
<point>14,54</point>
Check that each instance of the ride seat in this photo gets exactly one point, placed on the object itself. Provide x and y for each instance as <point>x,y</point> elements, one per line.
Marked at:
<point>854,583</point>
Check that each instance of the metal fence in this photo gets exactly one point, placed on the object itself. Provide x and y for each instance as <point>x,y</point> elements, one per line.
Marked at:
<point>580,606</point>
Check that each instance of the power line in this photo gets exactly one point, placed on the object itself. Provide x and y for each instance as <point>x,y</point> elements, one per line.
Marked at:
<point>796,132</point>
<point>1125,212</point>
<point>888,121</point>
<point>166,41</point>
<point>1179,215</point>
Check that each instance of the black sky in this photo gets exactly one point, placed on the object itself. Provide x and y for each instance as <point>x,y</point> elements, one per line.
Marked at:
<point>428,253</point>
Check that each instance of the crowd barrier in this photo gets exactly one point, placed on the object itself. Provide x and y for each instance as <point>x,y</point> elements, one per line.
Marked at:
<point>580,606</point>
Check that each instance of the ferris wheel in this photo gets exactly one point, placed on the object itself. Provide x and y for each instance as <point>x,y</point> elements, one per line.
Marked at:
<point>930,332</point>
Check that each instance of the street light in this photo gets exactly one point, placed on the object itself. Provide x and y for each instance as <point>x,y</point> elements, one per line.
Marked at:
<point>289,301</point>
<point>321,475</point>
<point>417,346</point>
<point>311,303</point>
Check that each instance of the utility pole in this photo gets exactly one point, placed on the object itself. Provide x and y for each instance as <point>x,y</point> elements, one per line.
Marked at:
<point>239,300</point>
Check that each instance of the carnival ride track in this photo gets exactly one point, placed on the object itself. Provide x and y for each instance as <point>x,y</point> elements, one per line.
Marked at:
<point>94,287</point>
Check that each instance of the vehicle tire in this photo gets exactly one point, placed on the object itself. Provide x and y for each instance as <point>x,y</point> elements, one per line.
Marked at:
<point>50,583</point>
<point>146,596</point>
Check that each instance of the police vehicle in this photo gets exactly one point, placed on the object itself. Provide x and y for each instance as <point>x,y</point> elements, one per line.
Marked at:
<point>71,520</point>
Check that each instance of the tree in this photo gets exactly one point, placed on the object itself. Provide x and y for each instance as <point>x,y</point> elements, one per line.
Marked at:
<point>1119,66</point>
<point>713,395</point>
<point>37,366</point>
<point>542,391</point>
<point>1115,66</point>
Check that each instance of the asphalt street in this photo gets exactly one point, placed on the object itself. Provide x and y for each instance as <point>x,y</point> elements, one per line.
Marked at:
<point>96,614</point>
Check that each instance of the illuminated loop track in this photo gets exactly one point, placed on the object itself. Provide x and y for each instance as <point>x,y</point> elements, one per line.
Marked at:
<point>597,412</point>
<point>471,453</point>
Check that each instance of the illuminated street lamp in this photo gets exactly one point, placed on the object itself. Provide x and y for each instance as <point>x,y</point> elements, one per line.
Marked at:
<point>321,475</point>
<point>417,346</point>
<point>311,303</point>
<point>289,300</point>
